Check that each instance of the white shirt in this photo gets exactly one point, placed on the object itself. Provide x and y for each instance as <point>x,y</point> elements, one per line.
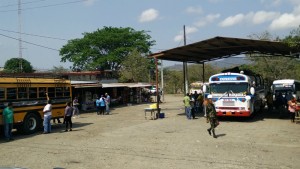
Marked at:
<point>47,110</point>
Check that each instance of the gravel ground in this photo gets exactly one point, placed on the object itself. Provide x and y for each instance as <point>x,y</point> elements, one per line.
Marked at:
<point>126,140</point>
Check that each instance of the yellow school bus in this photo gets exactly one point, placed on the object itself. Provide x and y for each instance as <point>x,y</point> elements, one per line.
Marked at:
<point>28,96</point>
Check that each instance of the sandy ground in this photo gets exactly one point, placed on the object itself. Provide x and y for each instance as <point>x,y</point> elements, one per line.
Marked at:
<point>126,140</point>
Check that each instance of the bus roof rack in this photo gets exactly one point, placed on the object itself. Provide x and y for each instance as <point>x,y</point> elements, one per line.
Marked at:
<point>34,75</point>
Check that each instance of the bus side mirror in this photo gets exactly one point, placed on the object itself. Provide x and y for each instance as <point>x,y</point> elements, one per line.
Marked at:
<point>252,90</point>
<point>204,88</point>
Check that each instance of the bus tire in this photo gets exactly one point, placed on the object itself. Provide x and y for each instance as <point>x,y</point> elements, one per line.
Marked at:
<point>31,123</point>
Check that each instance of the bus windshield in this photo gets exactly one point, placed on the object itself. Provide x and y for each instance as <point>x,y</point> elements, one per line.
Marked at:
<point>283,88</point>
<point>229,87</point>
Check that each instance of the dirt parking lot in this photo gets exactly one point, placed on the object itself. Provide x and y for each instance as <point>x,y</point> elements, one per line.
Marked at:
<point>125,140</point>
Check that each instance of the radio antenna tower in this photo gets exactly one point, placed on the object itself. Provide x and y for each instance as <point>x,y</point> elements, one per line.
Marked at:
<point>20,37</point>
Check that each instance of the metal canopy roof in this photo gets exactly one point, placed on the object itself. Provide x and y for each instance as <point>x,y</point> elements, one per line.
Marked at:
<point>223,47</point>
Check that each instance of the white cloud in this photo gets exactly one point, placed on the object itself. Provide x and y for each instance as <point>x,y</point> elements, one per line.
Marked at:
<point>194,10</point>
<point>263,16</point>
<point>89,2</point>
<point>285,21</point>
<point>250,18</point>
<point>232,20</point>
<point>178,38</point>
<point>188,30</point>
<point>149,15</point>
<point>207,19</point>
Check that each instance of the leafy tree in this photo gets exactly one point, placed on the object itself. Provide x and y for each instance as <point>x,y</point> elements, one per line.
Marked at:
<point>134,68</point>
<point>173,81</point>
<point>105,48</point>
<point>174,78</point>
<point>195,72</point>
<point>274,67</point>
<point>13,66</point>
<point>293,39</point>
<point>59,69</point>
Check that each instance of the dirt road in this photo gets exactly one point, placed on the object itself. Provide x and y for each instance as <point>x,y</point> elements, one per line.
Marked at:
<point>125,140</point>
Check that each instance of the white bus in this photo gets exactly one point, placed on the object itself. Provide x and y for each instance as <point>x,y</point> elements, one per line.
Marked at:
<point>285,87</point>
<point>236,94</point>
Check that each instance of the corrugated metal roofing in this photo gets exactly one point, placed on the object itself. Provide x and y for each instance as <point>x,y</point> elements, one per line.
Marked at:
<point>223,47</point>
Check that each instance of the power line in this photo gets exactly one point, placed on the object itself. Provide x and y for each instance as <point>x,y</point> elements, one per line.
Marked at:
<point>30,42</point>
<point>45,6</point>
<point>21,3</point>
<point>41,36</point>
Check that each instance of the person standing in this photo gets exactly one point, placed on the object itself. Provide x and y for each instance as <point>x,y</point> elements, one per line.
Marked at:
<point>98,105</point>
<point>269,98</point>
<point>75,108</point>
<point>187,105</point>
<point>68,116</point>
<point>47,115</point>
<point>8,119</point>
<point>102,105</point>
<point>107,103</point>
<point>279,104</point>
<point>193,106</point>
<point>292,108</point>
<point>199,103</point>
<point>211,116</point>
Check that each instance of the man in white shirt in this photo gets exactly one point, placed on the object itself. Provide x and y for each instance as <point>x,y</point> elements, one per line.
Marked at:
<point>47,116</point>
<point>107,99</point>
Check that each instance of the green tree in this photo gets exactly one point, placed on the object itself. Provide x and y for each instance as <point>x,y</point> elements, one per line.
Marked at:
<point>274,67</point>
<point>293,39</point>
<point>134,68</point>
<point>105,48</point>
<point>18,65</point>
<point>59,69</point>
<point>173,81</point>
<point>195,72</point>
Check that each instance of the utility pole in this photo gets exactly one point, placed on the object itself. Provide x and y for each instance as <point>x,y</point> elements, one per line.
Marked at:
<point>162,80</point>
<point>185,75</point>
<point>20,36</point>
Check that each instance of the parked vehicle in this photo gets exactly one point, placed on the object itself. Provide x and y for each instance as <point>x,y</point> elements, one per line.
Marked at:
<point>236,94</point>
<point>153,90</point>
<point>286,87</point>
<point>28,96</point>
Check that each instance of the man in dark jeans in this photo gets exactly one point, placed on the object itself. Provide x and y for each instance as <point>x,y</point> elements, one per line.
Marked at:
<point>192,103</point>
<point>68,116</point>
<point>8,119</point>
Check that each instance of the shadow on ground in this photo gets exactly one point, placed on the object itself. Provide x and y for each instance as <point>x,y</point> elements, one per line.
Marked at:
<point>56,128</point>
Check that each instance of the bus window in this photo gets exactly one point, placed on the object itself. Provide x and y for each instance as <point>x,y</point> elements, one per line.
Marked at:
<point>11,93</point>
<point>51,92</point>
<point>22,93</point>
<point>2,93</point>
<point>59,91</point>
<point>42,92</point>
<point>32,92</point>
<point>67,91</point>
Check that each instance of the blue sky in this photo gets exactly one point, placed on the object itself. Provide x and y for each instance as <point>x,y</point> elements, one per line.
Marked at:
<point>62,20</point>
